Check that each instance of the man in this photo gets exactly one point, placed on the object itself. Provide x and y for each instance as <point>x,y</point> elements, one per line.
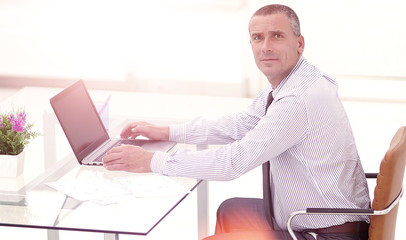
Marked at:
<point>304,134</point>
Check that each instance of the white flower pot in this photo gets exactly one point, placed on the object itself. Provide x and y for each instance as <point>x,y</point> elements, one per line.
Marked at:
<point>12,165</point>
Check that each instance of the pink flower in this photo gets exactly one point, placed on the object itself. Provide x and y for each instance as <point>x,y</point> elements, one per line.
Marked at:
<point>18,122</point>
<point>15,132</point>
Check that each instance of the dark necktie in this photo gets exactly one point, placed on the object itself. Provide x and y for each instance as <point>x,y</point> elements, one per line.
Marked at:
<point>266,180</point>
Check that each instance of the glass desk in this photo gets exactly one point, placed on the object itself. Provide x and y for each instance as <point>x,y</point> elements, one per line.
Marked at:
<point>33,204</point>
<point>27,201</point>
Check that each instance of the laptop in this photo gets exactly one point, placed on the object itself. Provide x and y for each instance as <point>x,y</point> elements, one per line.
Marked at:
<point>84,128</point>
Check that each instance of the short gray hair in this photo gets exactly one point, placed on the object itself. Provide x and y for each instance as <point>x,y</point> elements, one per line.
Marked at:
<point>278,8</point>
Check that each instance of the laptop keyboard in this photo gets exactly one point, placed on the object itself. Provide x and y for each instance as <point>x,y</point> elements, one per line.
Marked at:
<point>117,143</point>
<point>129,142</point>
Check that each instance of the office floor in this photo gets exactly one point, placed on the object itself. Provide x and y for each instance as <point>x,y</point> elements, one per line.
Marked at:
<point>373,125</point>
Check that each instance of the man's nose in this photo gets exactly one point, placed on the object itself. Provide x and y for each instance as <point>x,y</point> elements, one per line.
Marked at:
<point>267,45</point>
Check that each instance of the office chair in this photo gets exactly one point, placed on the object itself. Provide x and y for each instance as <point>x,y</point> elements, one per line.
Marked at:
<point>388,192</point>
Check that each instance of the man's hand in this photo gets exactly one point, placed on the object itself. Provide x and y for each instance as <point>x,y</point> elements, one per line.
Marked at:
<point>153,132</point>
<point>128,158</point>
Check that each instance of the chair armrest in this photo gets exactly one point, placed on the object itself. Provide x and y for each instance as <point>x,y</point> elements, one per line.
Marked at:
<point>371,175</point>
<point>326,211</point>
<point>355,211</point>
<point>341,211</point>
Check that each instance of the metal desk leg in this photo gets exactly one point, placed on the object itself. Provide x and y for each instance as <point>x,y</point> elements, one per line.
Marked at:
<point>52,234</point>
<point>202,210</point>
<point>111,236</point>
<point>202,204</point>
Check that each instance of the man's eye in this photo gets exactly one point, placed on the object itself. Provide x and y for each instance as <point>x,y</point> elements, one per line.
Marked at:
<point>256,37</point>
<point>277,35</point>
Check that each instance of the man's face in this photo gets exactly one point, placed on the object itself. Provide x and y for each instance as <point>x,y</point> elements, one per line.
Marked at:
<point>276,49</point>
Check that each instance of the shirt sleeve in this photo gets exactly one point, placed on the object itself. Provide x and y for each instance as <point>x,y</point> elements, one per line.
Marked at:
<point>221,130</point>
<point>284,126</point>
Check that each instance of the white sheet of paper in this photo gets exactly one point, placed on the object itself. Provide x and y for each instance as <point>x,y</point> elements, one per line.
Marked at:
<point>99,190</point>
<point>108,191</point>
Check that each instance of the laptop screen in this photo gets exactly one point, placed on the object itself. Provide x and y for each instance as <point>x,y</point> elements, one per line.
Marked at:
<point>79,119</point>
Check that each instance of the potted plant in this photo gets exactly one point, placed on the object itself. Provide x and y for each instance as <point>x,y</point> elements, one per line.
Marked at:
<point>15,133</point>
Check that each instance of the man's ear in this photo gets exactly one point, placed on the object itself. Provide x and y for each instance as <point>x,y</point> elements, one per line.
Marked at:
<point>300,44</point>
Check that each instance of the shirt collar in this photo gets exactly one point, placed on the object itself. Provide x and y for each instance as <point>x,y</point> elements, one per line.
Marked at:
<point>298,64</point>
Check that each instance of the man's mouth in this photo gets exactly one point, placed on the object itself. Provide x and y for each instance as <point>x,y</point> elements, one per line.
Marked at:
<point>268,59</point>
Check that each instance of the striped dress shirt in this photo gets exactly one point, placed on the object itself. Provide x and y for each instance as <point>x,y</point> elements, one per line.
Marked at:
<point>306,136</point>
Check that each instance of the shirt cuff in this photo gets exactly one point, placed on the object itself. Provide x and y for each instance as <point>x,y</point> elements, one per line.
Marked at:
<point>158,162</point>
<point>177,133</point>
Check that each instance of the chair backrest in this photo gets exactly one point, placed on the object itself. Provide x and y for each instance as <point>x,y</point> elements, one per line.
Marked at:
<point>388,186</point>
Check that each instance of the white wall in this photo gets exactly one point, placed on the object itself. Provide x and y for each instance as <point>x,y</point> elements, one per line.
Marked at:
<point>202,41</point>
<point>116,40</point>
